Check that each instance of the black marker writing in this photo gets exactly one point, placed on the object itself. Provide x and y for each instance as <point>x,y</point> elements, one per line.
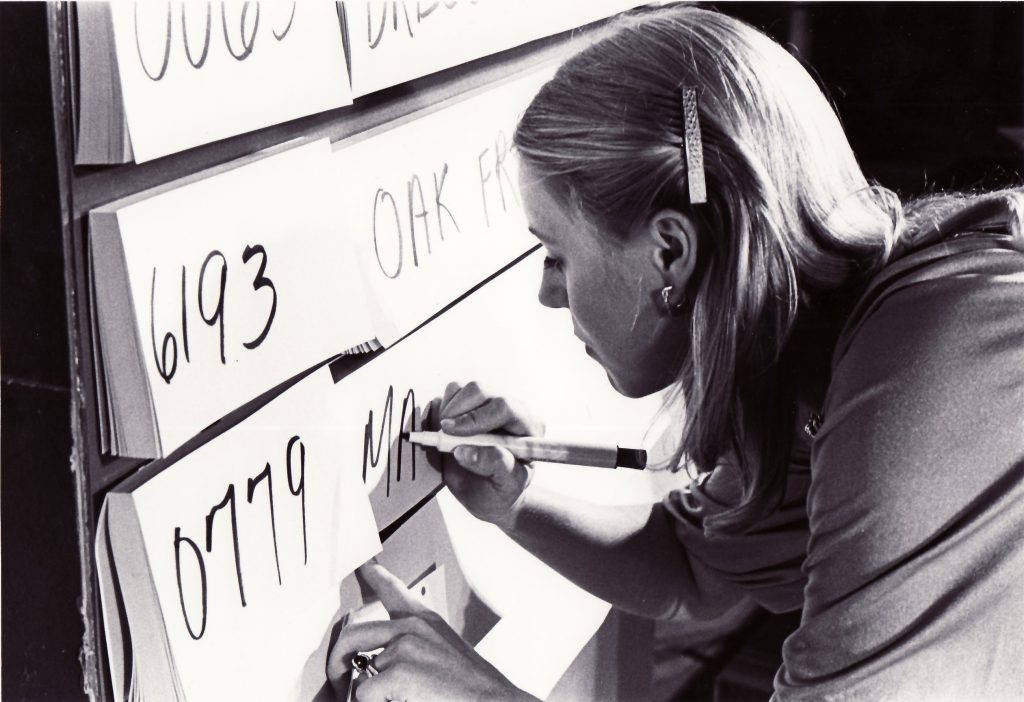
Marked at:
<point>439,205</point>
<point>218,312</point>
<point>388,223</point>
<point>261,281</point>
<point>184,36</point>
<point>239,35</point>
<point>184,316</point>
<point>423,11</point>
<point>300,489</point>
<point>212,302</point>
<point>372,458</point>
<point>495,166</point>
<point>265,476</point>
<point>295,473</point>
<point>229,502</point>
<point>247,44</point>
<point>378,199</point>
<point>415,191</point>
<point>178,540</point>
<point>166,368</point>
<point>287,27</point>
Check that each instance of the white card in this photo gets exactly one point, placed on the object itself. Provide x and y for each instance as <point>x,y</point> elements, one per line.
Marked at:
<point>194,72</point>
<point>393,42</point>
<point>248,539</point>
<point>432,205</point>
<point>239,281</point>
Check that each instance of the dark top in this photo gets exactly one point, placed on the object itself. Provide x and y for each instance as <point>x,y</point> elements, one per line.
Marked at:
<point>902,536</point>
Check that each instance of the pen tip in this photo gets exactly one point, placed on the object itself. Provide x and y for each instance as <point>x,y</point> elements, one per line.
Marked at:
<point>405,435</point>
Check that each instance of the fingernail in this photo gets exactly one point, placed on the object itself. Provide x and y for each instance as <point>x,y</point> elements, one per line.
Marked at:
<point>465,454</point>
<point>447,423</point>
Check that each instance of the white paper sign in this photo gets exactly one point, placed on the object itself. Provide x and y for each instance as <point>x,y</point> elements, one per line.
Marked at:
<point>195,72</point>
<point>395,41</point>
<point>248,539</point>
<point>432,205</point>
<point>239,281</point>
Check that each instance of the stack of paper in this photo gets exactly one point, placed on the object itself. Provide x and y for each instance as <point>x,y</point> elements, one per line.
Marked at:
<point>211,291</point>
<point>161,77</point>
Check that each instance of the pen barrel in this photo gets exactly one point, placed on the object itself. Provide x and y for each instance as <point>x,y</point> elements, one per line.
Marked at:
<point>553,451</point>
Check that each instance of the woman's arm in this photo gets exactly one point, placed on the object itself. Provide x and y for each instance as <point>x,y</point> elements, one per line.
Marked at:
<point>626,555</point>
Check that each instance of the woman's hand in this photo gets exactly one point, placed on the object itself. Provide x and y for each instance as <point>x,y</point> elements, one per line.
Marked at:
<point>423,658</point>
<point>489,481</point>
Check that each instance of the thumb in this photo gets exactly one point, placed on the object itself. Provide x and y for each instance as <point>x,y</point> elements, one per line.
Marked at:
<point>393,593</point>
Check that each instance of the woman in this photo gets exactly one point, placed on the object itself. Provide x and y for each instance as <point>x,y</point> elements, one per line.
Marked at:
<point>852,373</point>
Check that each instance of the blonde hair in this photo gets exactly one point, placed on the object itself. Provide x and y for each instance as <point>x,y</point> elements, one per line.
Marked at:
<point>790,218</point>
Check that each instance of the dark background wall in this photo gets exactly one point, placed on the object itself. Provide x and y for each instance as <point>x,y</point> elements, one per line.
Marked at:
<point>931,95</point>
<point>41,625</point>
<point>922,88</point>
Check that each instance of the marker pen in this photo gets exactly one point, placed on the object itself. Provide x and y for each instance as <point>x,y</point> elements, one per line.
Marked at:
<point>529,448</point>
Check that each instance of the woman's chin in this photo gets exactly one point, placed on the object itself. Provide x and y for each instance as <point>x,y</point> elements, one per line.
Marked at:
<point>634,388</point>
<point>625,389</point>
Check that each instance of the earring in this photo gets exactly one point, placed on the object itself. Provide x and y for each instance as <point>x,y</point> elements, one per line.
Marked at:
<point>673,308</point>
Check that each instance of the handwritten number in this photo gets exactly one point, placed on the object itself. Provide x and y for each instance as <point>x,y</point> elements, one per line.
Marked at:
<point>184,317</point>
<point>261,281</point>
<point>228,501</point>
<point>178,540</point>
<point>169,341</point>
<point>299,489</point>
<point>247,45</point>
<point>246,38</point>
<point>218,313</point>
<point>167,46</point>
<point>206,37</point>
<point>252,483</point>
<point>288,27</point>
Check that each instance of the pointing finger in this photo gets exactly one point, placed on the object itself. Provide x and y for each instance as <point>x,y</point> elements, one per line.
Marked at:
<point>393,593</point>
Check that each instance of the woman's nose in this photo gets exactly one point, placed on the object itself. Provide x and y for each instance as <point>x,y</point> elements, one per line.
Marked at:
<point>552,291</point>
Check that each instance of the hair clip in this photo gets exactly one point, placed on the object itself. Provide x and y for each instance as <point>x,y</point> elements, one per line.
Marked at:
<point>693,148</point>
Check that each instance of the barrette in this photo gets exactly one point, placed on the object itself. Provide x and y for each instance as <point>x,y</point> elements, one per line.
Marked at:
<point>693,148</point>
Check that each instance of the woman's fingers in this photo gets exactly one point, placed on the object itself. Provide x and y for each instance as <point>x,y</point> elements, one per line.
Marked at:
<point>391,591</point>
<point>492,462</point>
<point>449,392</point>
<point>370,636</point>
<point>459,399</point>
<point>468,409</point>
<point>430,418</point>
<point>365,636</point>
<point>490,414</point>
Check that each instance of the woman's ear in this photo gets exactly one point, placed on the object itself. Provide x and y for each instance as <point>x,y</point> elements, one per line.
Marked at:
<point>674,239</point>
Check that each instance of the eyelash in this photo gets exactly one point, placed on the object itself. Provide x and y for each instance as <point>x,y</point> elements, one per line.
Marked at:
<point>550,262</point>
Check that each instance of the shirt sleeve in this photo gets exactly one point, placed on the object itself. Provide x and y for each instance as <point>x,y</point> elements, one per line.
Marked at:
<point>915,565</point>
<point>763,563</point>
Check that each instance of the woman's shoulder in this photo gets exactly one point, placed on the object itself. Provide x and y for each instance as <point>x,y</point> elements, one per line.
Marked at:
<point>933,290</point>
<point>918,479</point>
<point>927,383</point>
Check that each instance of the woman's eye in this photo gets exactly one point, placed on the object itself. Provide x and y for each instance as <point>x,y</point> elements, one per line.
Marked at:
<point>550,263</point>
